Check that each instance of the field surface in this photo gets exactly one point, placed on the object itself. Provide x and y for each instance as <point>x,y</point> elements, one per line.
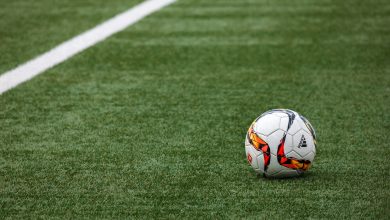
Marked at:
<point>151,122</point>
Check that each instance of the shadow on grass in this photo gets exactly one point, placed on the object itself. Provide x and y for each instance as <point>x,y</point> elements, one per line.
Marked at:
<point>307,176</point>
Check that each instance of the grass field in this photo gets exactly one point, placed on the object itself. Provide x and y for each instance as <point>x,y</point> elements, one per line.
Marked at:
<point>151,122</point>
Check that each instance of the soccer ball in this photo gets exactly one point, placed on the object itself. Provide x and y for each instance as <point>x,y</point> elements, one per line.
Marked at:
<point>280,143</point>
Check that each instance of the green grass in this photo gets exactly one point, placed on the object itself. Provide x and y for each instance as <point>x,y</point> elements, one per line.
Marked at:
<point>151,122</point>
<point>29,28</point>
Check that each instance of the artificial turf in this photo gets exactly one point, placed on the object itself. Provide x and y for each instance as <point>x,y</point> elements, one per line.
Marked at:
<point>29,28</point>
<point>151,122</point>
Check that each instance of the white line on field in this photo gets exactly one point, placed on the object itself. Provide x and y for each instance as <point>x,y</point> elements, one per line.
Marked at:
<point>67,49</point>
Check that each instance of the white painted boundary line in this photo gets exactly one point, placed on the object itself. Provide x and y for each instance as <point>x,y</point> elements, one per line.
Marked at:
<point>69,48</point>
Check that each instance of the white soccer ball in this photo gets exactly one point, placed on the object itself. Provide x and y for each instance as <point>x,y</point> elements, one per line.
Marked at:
<point>280,143</point>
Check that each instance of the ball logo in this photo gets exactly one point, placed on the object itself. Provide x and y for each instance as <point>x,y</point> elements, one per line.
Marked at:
<point>249,158</point>
<point>302,143</point>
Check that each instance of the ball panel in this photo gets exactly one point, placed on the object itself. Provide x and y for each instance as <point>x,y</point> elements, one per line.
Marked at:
<point>266,124</point>
<point>302,124</point>
<point>294,154</point>
<point>303,143</point>
<point>310,156</point>
<point>284,123</point>
<point>260,163</point>
<point>309,127</point>
<point>295,127</point>
<point>279,114</point>
<point>252,154</point>
<point>288,144</point>
<point>273,140</point>
<point>274,166</point>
